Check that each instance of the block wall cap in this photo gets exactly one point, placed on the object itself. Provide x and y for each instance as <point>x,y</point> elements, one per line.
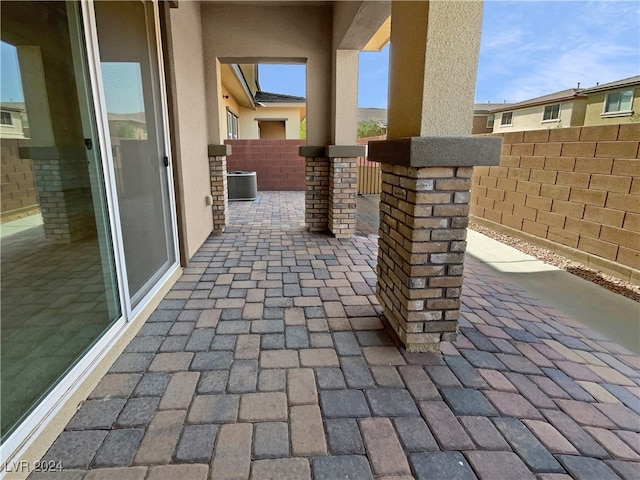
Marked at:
<point>437,151</point>
<point>309,151</point>
<point>346,151</point>
<point>219,150</point>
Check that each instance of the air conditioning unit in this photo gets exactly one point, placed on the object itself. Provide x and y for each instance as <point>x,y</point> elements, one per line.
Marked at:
<point>242,185</point>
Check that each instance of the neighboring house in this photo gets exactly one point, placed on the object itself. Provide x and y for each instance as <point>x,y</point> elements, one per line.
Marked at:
<point>11,120</point>
<point>565,108</point>
<point>614,102</point>
<point>611,103</point>
<point>376,115</point>
<point>483,116</point>
<point>251,113</point>
<point>128,125</point>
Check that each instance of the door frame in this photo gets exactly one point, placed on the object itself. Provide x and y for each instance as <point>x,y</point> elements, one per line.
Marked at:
<point>37,422</point>
<point>102,122</point>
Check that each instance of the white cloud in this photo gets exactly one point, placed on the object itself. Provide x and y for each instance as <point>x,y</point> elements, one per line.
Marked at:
<point>551,46</point>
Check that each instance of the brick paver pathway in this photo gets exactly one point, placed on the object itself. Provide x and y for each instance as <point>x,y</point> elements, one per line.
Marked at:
<point>268,360</point>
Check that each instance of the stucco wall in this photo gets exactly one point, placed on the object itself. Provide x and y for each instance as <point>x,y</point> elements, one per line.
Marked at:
<point>530,118</point>
<point>429,96</point>
<point>15,129</point>
<point>192,123</point>
<point>239,33</point>
<point>480,124</point>
<point>574,190</point>
<point>249,121</point>
<point>595,107</point>
<point>228,101</point>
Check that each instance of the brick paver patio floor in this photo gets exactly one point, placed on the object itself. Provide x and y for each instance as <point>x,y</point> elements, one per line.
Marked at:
<point>268,360</point>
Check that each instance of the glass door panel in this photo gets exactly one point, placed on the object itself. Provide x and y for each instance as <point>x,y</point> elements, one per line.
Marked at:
<point>59,285</point>
<point>129,65</point>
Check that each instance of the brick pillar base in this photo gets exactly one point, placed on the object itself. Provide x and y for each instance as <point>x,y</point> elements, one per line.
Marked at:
<point>424,209</point>
<point>316,192</point>
<point>343,180</point>
<point>63,188</point>
<point>220,196</point>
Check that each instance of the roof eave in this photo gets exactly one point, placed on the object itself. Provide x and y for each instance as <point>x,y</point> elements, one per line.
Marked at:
<point>518,106</point>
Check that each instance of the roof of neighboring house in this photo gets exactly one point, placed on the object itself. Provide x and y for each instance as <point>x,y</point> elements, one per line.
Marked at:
<point>489,107</point>
<point>13,106</point>
<point>562,95</point>
<point>372,115</point>
<point>269,97</point>
<point>625,82</point>
<point>137,117</point>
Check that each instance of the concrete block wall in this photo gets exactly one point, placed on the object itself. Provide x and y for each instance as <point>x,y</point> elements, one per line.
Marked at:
<point>277,163</point>
<point>17,189</point>
<point>573,190</point>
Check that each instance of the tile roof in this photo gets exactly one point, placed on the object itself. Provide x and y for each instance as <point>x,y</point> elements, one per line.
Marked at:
<point>269,97</point>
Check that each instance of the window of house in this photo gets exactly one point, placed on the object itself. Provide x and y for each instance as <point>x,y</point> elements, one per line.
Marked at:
<point>619,101</point>
<point>232,125</point>
<point>551,112</point>
<point>5,118</point>
<point>507,118</point>
<point>490,120</point>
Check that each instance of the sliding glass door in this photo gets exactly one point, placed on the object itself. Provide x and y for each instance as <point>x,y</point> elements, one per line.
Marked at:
<point>59,285</point>
<point>129,64</point>
<point>87,228</point>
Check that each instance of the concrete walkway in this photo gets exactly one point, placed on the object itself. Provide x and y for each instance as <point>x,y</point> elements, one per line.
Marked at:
<point>268,360</point>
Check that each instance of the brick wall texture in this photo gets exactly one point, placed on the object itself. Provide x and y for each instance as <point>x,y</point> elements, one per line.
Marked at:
<point>316,208</point>
<point>572,187</point>
<point>277,163</point>
<point>220,200</point>
<point>423,219</point>
<point>342,196</point>
<point>17,188</point>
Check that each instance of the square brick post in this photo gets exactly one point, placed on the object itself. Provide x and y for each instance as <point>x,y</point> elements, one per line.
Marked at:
<point>316,192</point>
<point>343,179</point>
<point>63,189</point>
<point>424,212</point>
<point>220,196</point>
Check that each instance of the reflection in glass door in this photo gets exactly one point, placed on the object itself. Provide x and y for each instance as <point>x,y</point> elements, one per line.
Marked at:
<point>59,287</point>
<point>129,65</point>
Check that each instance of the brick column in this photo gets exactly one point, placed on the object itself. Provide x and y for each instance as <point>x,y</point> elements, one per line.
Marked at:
<point>316,192</point>
<point>424,209</point>
<point>343,178</point>
<point>64,191</point>
<point>220,196</point>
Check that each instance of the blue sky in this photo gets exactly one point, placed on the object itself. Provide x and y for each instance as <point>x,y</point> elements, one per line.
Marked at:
<point>528,49</point>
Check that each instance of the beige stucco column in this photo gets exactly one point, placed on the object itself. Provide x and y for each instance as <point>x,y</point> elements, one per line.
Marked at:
<point>427,164</point>
<point>432,67</point>
<point>345,97</point>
